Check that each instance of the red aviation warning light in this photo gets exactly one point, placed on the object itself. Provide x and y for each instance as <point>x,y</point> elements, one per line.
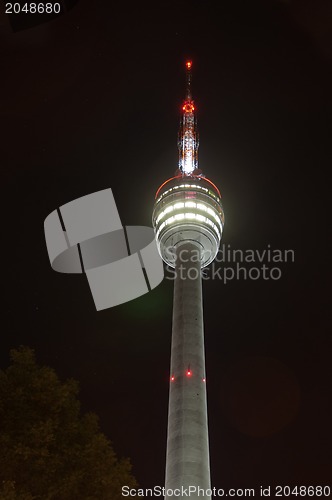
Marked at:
<point>189,64</point>
<point>188,107</point>
<point>189,372</point>
<point>172,378</point>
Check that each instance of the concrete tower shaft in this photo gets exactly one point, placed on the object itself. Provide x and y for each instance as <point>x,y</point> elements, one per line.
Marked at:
<point>187,461</point>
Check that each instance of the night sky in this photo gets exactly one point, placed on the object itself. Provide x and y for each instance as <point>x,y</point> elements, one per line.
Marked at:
<point>91,100</point>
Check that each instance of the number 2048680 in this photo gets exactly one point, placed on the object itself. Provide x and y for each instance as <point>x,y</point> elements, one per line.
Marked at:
<point>307,491</point>
<point>32,8</point>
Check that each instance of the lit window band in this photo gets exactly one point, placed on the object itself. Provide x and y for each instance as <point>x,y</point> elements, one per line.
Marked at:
<point>193,186</point>
<point>190,216</point>
<point>189,204</point>
<point>188,185</point>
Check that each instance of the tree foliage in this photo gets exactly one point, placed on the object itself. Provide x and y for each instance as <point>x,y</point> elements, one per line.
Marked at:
<point>48,450</point>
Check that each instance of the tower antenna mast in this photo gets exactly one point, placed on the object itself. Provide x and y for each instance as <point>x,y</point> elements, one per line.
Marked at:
<point>188,135</point>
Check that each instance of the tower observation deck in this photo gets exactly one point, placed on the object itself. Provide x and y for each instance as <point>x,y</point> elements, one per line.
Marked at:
<point>188,220</point>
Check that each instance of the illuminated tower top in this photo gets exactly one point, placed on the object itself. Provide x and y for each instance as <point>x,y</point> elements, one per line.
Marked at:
<point>188,135</point>
<point>188,206</point>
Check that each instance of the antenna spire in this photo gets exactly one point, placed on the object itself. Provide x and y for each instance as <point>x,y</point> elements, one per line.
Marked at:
<point>188,79</point>
<point>188,135</point>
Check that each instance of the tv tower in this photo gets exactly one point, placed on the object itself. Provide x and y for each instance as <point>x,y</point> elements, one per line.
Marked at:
<point>188,220</point>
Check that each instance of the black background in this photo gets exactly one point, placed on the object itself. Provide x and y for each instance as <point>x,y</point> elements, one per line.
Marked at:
<point>91,100</point>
